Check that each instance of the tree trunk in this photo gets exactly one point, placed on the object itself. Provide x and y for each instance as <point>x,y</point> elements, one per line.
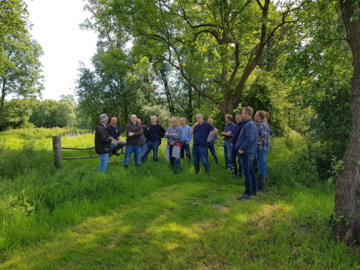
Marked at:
<point>2,99</point>
<point>347,193</point>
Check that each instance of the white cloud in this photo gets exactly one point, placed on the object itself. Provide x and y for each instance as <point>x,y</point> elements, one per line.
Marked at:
<point>56,28</point>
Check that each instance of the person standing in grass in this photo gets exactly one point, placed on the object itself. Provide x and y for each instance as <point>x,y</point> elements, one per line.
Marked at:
<point>154,135</point>
<point>228,133</point>
<point>115,134</point>
<point>262,149</point>
<point>211,143</point>
<point>246,146</point>
<point>203,132</point>
<point>173,134</point>
<point>103,142</point>
<point>234,154</point>
<point>134,132</point>
<point>143,137</point>
<point>185,138</point>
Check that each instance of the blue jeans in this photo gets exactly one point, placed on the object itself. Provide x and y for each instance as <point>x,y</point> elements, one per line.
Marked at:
<point>185,147</point>
<point>128,152</point>
<point>116,147</point>
<point>154,146</point>
<point>261,157</point>
<point>234,155</point>
<point>198,152</point>
<point>143,148</point>
<point>248,172</point>
<point>173,160</point>
<point>104,162</point>
<point>227,155</point>
<point>212,150</point>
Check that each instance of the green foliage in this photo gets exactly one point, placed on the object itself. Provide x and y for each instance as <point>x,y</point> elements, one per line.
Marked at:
<point>22,76</point>
<point>13,21</point>
<point>337,165</point>
<point>50,113</point>
<point>16,114</point>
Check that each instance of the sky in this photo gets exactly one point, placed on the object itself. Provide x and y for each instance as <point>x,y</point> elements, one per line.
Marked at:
<point>56,28</point>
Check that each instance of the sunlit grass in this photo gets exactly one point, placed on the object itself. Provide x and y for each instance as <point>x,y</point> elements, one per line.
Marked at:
<point>149,218</point>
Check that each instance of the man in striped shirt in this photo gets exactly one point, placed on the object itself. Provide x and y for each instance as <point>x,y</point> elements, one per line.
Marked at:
<point>173,134</point>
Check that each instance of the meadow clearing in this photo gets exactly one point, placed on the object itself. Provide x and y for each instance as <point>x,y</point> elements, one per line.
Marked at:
<point>149,218</point>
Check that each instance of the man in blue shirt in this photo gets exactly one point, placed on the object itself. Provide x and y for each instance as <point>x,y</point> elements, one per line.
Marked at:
<point>236,133</point>
<point>185,138</point>
<point>203,132</point>
<point>115,134</point>
<point>154,135</point>
<point>246,146</point>
<point>262,149</point>
<point>211,143</point>
<point>228,133</point>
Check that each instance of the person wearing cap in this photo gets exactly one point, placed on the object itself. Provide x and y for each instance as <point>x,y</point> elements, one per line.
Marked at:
<point>115,135</point>
<point>134,132</point>
<point>103,142</point>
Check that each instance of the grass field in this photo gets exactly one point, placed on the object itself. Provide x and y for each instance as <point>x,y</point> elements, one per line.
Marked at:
<point>149,218</point>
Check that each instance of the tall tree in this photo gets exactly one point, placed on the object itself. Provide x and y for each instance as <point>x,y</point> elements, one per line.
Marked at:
<point>226,38</point>
<point>22,76</point>
<point>13,19</point>
<point>347,194</point>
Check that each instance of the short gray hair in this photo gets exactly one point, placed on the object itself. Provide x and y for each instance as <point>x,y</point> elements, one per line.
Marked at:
<point>153,116</point>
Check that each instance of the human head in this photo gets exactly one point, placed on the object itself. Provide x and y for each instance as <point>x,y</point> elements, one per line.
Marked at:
<point>183,121</point>
<point>138,121</point>
<point>267,116</point>
<point>259,115</point>
<point>113,121</point>
<point>247,113</point>
<point>210,121</point>
<point>228,118</point>
<point>153,120</point>
<point>133,119</point>
<point>174,122</point>
<point>238,118</point>
<point>199,118</point>
<point>104,118</point>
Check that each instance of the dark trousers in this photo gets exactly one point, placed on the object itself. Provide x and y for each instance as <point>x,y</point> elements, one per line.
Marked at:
<point>234,155</point>
<point>248,172</point>
<point>185,147</point>
<point>200,152</point>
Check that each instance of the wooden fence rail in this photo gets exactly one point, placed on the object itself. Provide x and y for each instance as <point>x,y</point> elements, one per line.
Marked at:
<point>58,158</point>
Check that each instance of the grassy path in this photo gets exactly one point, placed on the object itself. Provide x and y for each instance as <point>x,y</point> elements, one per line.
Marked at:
<point>175,227</point>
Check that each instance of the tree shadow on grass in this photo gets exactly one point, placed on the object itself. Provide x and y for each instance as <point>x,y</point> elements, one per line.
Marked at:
<point>176,228</point>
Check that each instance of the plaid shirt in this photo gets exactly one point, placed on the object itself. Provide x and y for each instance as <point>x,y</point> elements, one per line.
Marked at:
<point>177,137</point>
<point>264,131</point>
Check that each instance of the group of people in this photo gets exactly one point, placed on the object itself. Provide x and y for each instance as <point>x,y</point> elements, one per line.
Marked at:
<point>242,140</point>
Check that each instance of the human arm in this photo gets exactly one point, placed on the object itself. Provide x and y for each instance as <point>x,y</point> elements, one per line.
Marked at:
<point>214,131</point>
<point>167,134</point>
<point>189,137</point>
<point>228,133</point>
<point>193,128</point>
<point>104,136</point>
<point>177,134</point>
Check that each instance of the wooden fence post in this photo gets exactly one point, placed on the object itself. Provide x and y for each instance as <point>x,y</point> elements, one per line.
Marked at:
<point>57,151</point>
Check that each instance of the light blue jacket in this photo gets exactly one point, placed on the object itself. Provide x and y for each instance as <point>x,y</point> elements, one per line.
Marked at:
<point>186,137</point>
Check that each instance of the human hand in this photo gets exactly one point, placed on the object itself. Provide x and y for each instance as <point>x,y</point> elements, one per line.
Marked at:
<point>173,134</point>
<point>131,134</point>
<point>269,142</point>
<point>232,144</point>
<point>196,123</point>
<point>241,152</point>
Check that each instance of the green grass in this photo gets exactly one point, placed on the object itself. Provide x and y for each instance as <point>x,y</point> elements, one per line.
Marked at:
<point>149,218</point>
